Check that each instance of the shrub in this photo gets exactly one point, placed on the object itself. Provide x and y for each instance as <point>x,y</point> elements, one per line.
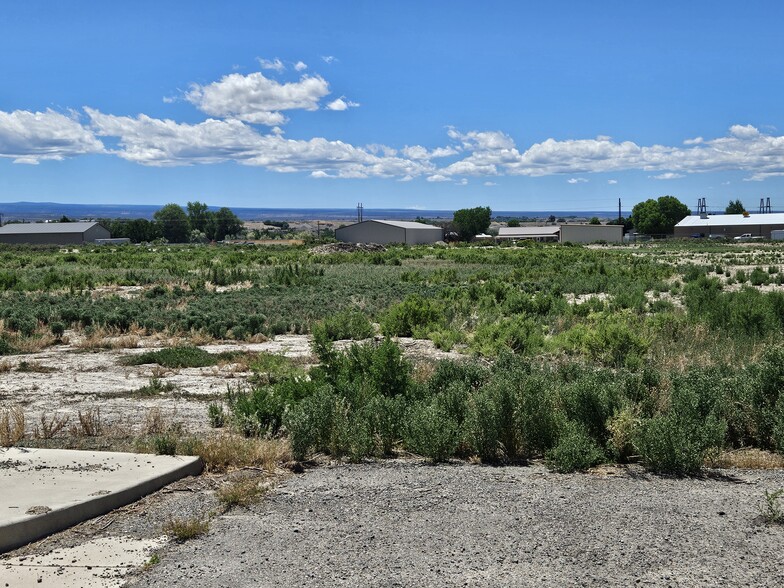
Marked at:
<point>165,444</point>
<point>348,324</point>
<point>484,425</point>
<point>414,314</point>
<point>519,334</point>
<point>183,529</point>
<point>174,357</point>
<point>431,432</point>
<point>679,440</point>
<point>575,450</point>
<point>216,415</point>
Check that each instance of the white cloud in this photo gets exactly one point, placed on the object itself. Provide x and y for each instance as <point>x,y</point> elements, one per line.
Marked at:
<point>667,176</point>
<point>273,64</point>
<point>490,184</point>
<point>462,182</point>
<point>255,98</point>
<point>744,132</point>
<point>612,182</point>
<point>329,59</point>
<point>577,181</point>
<point>694,141</point>
<point>341,104</point>
<point>300,66</point>
<point>157,142</point>
<point>437,178</point>
<point>30,137</point>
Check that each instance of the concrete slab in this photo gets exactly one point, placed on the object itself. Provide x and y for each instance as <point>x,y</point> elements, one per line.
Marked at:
<point>100,563</point>
<point>46,490</point>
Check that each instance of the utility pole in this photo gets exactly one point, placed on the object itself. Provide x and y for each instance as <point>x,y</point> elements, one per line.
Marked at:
<point>620,217</point>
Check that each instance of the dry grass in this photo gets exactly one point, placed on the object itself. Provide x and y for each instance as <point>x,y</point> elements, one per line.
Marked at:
<point>183,529</point>
<point>90,424</point>
<point>101,338</point>
<point>749,459</point>
<point>155,423</point>
<point>242,492</point>
<point>5,366</point>
<point>35,367</point>
<point>50,426</point>
<point>34,344</point>
<point>12,426</point>
<point>224,452</point>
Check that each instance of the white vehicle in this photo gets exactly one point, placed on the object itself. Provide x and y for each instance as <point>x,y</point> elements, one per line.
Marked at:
<point>747,237</point>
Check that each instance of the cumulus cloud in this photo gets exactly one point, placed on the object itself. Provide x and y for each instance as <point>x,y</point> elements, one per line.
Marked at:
<point>161,142</point>
<point>577,181</point>
<point>612,182</point>
<point>300,66</point>
<point>273,64</point>
<point>329,59</point>
<point>667,176</point>
<point>437,178</point>
<point>694,141</point>
<point>257,99</point>
<point>31,137</point>
<point>341,104</point>
<point>490,184</point>
<point>744,131</point>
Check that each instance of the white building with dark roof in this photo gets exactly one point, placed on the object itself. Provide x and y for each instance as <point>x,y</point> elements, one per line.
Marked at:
<point>52,233</point>
<point>384,232</point>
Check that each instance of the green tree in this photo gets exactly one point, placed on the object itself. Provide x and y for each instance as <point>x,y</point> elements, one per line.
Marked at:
<point>735,207</point>
<point>469,222</point>
<point>223,222</point>
<point>513,222</point>
<point>658,217</point>
<point>198,213</point>
<point>173,223</point>
<point>594,221</point>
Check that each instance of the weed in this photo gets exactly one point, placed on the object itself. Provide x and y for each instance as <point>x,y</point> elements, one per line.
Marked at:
<point>50,426</point>
<point>574,450</point>
<point>12,426</point>
<point>216,415</point>
<point>183,529</point>
<point>90,424</point>
<point>771,508</point>
<point>164,444</point>
<point>241,492</point>
<point>224,452</point>
<point>34,367</point>
<point>155,387</point>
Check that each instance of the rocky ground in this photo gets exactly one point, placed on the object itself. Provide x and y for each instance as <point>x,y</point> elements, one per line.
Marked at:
<point>405,523</point>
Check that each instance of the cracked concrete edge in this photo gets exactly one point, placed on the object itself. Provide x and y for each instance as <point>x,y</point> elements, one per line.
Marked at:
<point>19,533</point>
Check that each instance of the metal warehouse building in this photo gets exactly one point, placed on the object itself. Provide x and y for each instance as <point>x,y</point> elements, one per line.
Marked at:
<point>384,232</point>
<point>564,233</point>
<point>730,225</point>
<point>52,233</point>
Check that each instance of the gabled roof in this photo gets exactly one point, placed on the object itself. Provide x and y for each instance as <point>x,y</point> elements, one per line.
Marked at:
<point>399,224</point>
<point>771,218</point>
<point>45,228</point>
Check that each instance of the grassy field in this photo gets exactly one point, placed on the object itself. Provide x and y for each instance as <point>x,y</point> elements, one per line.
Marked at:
<point>664,353</point>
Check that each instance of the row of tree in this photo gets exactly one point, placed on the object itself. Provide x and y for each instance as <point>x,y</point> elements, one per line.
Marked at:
<point>173,223</point>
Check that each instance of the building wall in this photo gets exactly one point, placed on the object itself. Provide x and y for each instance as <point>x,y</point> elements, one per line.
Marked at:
<point>370,232</point>
<point>43,238</point>
<point>424,236</point>
<point>728,231</point>
<point>591,233</point>
<point>54,238</point>
<point>96,232</point>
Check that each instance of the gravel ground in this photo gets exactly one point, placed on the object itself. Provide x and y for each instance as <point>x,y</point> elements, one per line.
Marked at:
<point>404,523</point>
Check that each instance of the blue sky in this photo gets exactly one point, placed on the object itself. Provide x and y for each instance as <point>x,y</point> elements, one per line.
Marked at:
<point>406,104</point>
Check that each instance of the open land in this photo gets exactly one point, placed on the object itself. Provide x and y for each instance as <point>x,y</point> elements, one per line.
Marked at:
<point>636,364</point>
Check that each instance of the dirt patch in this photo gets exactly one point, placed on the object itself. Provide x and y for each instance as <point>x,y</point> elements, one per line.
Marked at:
<point>347,248</point>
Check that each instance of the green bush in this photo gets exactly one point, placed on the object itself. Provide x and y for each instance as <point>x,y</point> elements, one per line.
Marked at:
<point>519,334</point>
<point>431,432</point>
<point>175,357</point>
<point>347,324</point>
<point>415,314</point>
<point>575,450</point>
<point>216,415</point>
<point>679,440</point>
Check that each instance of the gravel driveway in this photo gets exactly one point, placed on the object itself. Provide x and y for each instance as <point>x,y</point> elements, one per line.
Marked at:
<point>401,523</point>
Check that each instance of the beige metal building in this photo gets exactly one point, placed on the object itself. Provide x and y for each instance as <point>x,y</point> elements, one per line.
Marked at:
<point>52,233</point>
<point>591,233</point>
<point>384,232</point>
<point>730,225</point>
<point>549,233</point>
